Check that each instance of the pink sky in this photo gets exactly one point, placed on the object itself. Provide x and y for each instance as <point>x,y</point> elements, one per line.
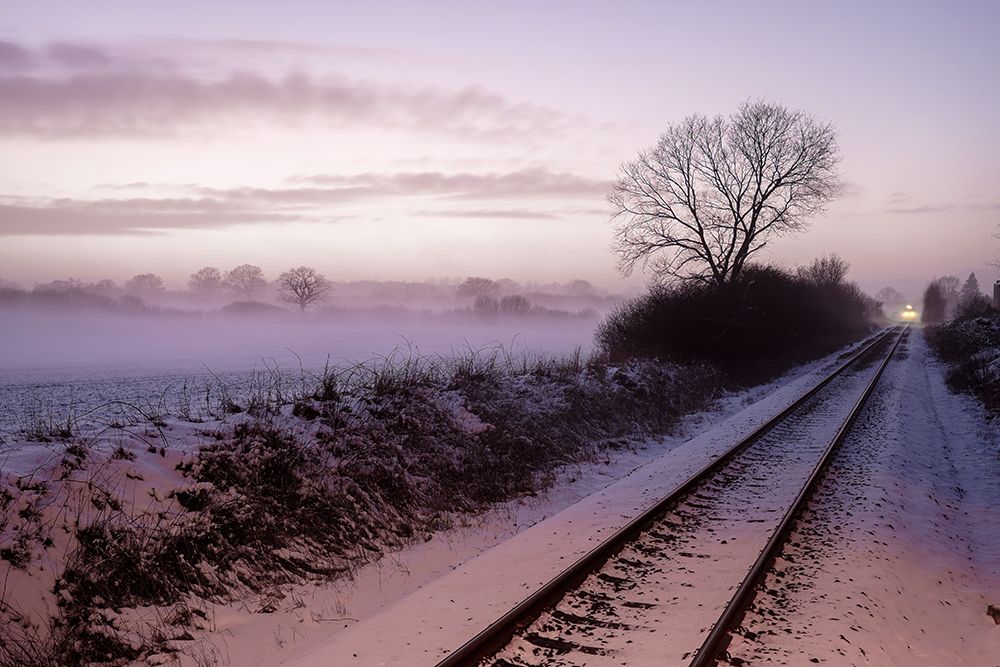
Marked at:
<point>416,140</point>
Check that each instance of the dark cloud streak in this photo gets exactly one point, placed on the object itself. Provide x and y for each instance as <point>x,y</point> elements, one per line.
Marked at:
<point>14,58</point>
<point>124,216</point>
<point>518,214</point>
<point>84,91</point>
<point>536,182</point>
<point>219,208</point>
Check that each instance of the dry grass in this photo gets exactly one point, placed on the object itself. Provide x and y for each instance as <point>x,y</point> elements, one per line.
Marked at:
<point>311,477</point>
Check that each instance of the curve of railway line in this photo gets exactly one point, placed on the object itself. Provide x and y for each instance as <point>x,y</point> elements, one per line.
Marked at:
<point>630,600</point>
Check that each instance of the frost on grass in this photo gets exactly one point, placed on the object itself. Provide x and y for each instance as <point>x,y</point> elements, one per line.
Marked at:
<point>115,536</point>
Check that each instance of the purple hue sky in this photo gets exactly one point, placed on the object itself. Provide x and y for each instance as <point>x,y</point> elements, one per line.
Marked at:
<point>415,140</point>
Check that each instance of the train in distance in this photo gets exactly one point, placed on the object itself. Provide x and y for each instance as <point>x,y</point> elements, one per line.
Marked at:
<point>908,314</point>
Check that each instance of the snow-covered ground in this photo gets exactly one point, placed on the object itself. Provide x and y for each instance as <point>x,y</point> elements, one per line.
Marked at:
<point>917,542</point>
<point>55,366</point>
<point>916,545</point>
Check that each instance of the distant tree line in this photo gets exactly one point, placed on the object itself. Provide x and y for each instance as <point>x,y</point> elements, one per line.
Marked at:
<point>949,298</point>
<point>307,289</point>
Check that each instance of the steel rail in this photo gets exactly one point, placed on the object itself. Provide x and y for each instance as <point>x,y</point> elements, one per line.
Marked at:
<point>499,633</point>
<point>718,639</point>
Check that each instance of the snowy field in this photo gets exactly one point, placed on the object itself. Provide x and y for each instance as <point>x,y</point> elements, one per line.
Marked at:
<point>57,366</point>
<point>904,578</point>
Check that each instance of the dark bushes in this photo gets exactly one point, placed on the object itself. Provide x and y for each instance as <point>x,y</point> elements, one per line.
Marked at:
<point>752,329</point>
<point>970,344</point>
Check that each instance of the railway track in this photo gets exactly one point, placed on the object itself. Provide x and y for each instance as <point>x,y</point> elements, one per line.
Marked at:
<point>670,586</point>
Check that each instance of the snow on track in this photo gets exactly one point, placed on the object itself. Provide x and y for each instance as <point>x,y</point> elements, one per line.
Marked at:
<point>423,627</point>
<point>656,601</point>
<point>900,556</point>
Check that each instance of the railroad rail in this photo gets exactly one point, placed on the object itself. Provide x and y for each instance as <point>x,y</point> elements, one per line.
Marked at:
<point>500,633</point>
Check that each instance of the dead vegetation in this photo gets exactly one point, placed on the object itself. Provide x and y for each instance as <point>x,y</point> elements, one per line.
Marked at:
<point>298,479</point>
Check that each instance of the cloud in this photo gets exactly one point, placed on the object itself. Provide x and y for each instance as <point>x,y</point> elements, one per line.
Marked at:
<point>266,51</point>
<point>513,214</point>
<point>851,189</point>
<point>124,216</point>
<point>78,56</point>
<point>533,182</point>
<point>926,208</point>
<point>898,197</point>
<point>84,91</point>
<point>14,58</point>
<point>214,208</point>
<point>944,208</point>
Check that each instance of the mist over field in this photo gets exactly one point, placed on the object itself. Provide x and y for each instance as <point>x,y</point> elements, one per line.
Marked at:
<point>67,341</point>
<point>70,325</point>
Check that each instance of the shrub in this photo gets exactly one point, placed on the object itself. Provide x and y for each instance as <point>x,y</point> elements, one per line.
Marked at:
<point>751,329</point>
<point>970,344</point>
<point>253,308</point>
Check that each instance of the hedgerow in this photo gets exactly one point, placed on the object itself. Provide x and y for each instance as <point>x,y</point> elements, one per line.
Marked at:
<point>970,345</point>
<point>752,329</point>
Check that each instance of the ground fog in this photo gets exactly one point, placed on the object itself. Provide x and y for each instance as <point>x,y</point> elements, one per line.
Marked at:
<point>56,365</point>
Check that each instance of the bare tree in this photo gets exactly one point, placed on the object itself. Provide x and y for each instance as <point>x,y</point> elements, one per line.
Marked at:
<point>950,289</point>
<point>302,286</point>
<point>935,306</point>
<point>890,296</point>
<point>145,282</point>
<point>829,270</point>
<point>477,287</point>
<point>245,279</point>
<point>514,305</point>
<point>713,191</point>
<point>486,305</point>
<point>580,287</point>
<point>131,304</point>
<point>508,286</point>
<point>105,285</point>
<point>68,285</point>
<point>995,262</point>
<point>207,281</point>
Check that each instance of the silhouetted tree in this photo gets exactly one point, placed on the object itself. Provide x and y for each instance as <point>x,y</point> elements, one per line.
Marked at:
<point>131,304</point>
<point>580,287</point>
<point>514,305</point>
<point>972,302</point>
<point>891,296</point>
<point>106,285</point>
<point>970,289</point>
<point>67,285</point>
<point>713,191</point>
<point>245,279</point>
<point>829,270</point>
<point>508,286</point>
<point>950,286</point>
<point>145,282</point>
<point>935,306</point>
<point>477,287</point>
<point>486,305</point>
<point>302,286</point>
<point>206,281</point>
